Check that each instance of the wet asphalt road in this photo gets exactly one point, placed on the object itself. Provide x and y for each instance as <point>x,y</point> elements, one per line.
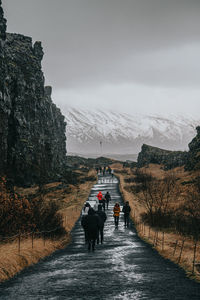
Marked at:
<point>124,267</point>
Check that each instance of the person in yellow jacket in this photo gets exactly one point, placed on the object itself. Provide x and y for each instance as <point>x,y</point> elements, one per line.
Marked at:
<point>116,211</point>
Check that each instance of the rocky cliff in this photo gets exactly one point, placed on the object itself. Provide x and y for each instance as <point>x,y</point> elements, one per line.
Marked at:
<point>170,159</point>
<point>193,162</point>
<point>32,128</point>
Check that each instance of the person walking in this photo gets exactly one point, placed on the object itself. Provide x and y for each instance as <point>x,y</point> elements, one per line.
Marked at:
<point>104,170</point>
<point>100,170</point>
<point>109,170</point>
<point>100,197</point>
<point>116,211</point>
<point>102,219</point>
<point>91,223</point>
<point>108,198</point>
<point>126,210</point>
<point>112,172</point>
<point>103,203</point>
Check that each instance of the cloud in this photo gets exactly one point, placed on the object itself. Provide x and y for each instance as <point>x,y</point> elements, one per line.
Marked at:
<point>91,42</point>
<point>130,55</point>
<point>132,99</point>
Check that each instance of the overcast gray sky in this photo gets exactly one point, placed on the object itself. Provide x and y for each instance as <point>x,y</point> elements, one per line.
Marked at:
<point>137,56</point>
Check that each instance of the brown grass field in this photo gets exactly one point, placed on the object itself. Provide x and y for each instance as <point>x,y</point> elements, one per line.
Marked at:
<point>168,244</point>
<point>70,200</point>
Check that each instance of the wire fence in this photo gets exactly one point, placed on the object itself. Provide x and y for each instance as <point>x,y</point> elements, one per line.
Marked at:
<point>66,221</point>
<point>158,239</point>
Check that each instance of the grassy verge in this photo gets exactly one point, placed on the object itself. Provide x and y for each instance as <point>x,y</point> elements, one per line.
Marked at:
<point>170,245</point>
<point>70,200</point>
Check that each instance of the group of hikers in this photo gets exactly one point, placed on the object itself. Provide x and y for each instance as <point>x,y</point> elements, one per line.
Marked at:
<point>93,221</point>
<point>105,170</point>
<point>104,201</point>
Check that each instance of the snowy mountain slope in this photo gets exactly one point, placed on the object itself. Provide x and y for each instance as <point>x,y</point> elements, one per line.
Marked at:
<point>122,133</point>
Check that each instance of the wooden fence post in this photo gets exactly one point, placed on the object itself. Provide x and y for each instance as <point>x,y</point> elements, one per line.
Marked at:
<point>163,240</point>
<point>194,258</point>
<point>181,251</point>
<point>175,247</point>
<point>32,235</point>
<point>154,240</point>
<point>44,238</point>
<point>19,242</point>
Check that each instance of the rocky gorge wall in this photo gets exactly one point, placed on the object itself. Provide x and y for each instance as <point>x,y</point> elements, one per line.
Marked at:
<point>193,162</point>
<point>32,128</point>
<point>172,159</point>
<point>154,155</point>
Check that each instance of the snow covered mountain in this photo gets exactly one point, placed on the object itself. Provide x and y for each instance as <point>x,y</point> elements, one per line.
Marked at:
<point>94,133</point>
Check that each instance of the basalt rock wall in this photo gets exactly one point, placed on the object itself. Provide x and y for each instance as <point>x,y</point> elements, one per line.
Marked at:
<point>154,155</point>
<point>193,162</point>
<point>32,128</point>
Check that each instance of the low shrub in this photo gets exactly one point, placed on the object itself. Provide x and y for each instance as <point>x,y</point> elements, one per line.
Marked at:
<point>21,215</point>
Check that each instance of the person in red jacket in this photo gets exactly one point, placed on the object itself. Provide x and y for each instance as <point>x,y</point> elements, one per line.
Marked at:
<point>100,197</point>
<point>102,200</point>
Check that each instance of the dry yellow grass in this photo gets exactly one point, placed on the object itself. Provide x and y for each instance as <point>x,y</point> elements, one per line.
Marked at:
<point>12,261</point>
<point>164,243</point>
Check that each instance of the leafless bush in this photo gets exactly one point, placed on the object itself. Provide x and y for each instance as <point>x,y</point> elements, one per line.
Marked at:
<point>156,196</point>
<point>191,211</point>
<point>142,177</point>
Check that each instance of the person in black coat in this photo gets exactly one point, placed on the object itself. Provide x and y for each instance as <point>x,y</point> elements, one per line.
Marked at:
<point>102,219</point>
<point>126,210</point>
<point>108,198</point>
<point>91,224</point>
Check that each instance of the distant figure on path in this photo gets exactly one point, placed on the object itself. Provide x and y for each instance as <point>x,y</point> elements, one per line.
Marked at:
<point>100,170</point>
<point>116,211</point>
<point>109,170</point>
<point>104,170</point>
<point>108,198</point>
<point>112,172</point>
<point>91,223</point>
<point>126,210</point>
<point>102,219</point>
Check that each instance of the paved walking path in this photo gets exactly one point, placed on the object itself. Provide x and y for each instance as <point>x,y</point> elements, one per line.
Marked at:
<point>124,267</point>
